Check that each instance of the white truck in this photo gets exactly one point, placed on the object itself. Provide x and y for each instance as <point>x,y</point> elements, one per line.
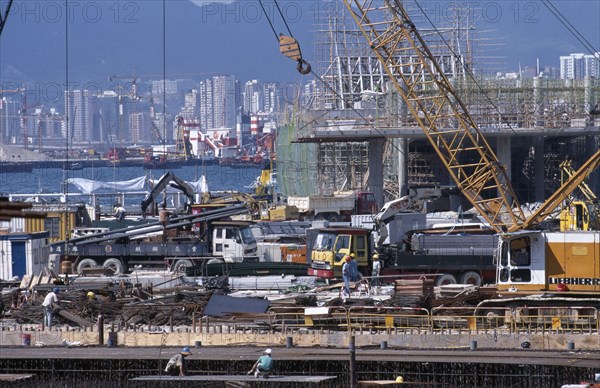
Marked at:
<point>337,207</point>
<point>147,246</point>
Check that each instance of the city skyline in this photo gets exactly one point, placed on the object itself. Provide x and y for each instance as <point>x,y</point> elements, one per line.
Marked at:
<point>210,86</point>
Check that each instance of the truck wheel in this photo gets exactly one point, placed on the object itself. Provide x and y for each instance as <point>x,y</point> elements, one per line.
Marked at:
<point>470,277</point>
<point>86,263</point>
<point>333,217</point>
<point>116,265</point>
<point>445,279</point>
<point>181,266</point>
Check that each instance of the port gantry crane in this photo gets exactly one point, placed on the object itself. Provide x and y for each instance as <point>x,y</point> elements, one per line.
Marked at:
<point>442,115</point>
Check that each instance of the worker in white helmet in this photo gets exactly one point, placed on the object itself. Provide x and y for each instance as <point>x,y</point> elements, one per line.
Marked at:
<point>376,270</point>
<point>263,366</point>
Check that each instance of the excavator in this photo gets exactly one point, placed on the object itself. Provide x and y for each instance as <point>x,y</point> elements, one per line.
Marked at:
<point>529,261</point>
<point>168,179</point>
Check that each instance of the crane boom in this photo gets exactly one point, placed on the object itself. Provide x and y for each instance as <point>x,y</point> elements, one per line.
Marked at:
<point>438,110</point>
<point>574,181</point>
<point>583,187</point>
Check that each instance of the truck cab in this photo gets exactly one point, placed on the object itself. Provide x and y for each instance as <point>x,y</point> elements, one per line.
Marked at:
<point>365,203</point>
<point>333,244</point>
<point>233,241</point>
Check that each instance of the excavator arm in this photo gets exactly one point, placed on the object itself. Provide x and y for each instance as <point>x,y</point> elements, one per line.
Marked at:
<point>438,110</point>
<point>386,214</point>
<point>168,179</point>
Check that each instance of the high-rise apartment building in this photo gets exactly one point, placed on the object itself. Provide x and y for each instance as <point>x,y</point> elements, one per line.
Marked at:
<point>205,93</point>
<point>140,128</point>
<point>168,86</point>
<point>579,66</point>
<point>272,97</point>
<point>79,115</point>
<point>191,106</point>
<point>106,120</point>
<point>51,126</point>
<point>224,101</point>
<point>10,123</point>
<point>253,101</point>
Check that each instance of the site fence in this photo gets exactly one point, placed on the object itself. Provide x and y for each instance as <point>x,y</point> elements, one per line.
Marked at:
<point>519,320</point>
<point>169,318</point>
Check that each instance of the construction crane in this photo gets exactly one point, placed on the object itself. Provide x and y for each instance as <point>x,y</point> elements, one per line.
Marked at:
<point>577,214</point>
<point>5,15</point>
<point>443,117</point>
<point>439,111</point>
<point>528,261</point>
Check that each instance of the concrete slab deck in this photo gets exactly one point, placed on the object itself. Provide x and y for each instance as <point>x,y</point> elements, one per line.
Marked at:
<point>238,378</point>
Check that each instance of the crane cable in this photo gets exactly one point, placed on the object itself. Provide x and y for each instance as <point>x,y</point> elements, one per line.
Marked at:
<point>5,16</point>
<point>288,45</point>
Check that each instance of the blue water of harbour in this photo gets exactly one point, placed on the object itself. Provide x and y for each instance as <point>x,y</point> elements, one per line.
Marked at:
<point>50,180</point>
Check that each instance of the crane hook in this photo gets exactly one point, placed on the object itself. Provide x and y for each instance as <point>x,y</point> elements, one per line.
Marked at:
<point>303,70</point>
<point>289,47</point>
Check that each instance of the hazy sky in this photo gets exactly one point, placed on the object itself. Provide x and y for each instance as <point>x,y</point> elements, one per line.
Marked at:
<point>100,38</point>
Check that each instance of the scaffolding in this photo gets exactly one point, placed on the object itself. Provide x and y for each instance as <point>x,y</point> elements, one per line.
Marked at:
<point>352,90</point>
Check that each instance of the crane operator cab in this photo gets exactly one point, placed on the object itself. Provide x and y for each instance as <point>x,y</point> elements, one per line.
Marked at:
<point>548,261</point>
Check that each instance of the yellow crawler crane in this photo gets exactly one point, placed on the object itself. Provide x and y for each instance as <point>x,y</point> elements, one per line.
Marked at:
<point>527,260</point>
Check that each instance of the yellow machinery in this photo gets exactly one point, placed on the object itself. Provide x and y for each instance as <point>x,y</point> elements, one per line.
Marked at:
<point>277,212</point>
<point>579,215</point>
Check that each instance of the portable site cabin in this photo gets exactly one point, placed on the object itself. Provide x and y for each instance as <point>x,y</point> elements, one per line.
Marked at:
<point>22,254</point>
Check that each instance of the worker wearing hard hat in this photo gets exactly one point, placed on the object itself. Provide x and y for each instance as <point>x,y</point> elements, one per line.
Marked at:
<point>355,274</point>
<point>376,270</point>
<point>176,364</point>
<point>346,274</point>
<point>263,366</point>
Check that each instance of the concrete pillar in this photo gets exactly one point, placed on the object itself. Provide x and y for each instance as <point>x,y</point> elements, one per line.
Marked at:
<point>588,95</point>
<point>401,110</point>
<point>539,191</point>
<point>402,167</point>
<point>538,102</point>
<point>375,181</point>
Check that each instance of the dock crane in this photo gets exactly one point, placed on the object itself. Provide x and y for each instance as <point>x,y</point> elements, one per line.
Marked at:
<point>528,261</point>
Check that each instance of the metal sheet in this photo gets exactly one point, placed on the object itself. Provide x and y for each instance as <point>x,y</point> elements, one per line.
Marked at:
<point>220,305</point>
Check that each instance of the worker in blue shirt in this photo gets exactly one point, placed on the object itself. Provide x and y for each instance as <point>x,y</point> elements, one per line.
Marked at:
<point>263,366</point>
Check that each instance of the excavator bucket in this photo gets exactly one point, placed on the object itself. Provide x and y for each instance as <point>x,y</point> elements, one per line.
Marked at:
<point>289,47</point>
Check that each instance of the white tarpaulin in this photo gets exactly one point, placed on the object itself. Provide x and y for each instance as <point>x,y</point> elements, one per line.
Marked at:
<point>88,186</point>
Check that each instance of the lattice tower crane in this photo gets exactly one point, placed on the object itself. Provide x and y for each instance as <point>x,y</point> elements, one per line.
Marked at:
<point>443,117</point>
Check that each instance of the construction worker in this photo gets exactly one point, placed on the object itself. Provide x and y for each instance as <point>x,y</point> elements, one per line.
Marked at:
<point>176,364</point>
<point>49,303</point>
<point>263,366</point>
<point>346,274</point>
<point>355,275</point>
<point>376,270</point>
<point>120,212</point>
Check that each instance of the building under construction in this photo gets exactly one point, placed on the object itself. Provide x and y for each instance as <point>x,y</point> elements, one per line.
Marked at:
<point>351,115</point>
